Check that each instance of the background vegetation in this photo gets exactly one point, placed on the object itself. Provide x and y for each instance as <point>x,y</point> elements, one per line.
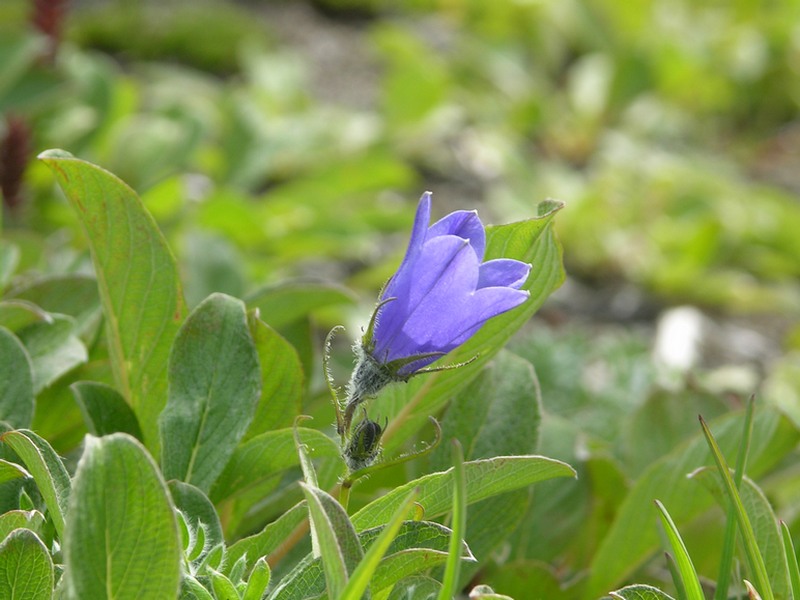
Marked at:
<point>281,147</point>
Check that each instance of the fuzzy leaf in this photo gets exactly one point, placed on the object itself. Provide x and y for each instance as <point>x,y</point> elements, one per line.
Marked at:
<point>138,281</point>
<point>214,384</point>
<point>338,543</point>
<point>26,569</point>
<point>122,537</point>
<point>47,470</point>
<point>265,456</point>
<point>282,380</point>
<point>16,382</point>
<point>484,478</point>
<point>105,410</point>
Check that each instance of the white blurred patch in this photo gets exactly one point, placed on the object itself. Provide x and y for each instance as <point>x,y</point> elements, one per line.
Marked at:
<point>679,335</point>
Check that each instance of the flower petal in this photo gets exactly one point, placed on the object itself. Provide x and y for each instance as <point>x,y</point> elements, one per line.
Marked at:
<point>399,280</point>
<point>433,328</point>
<point>444,276</point>
<point>465,224</point>
<point>505,272</point>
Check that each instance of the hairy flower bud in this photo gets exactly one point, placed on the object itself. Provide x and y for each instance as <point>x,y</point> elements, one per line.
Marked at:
<point>364,445</point>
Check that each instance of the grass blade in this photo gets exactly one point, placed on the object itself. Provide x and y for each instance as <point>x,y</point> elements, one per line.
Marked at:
<point>361,577</point>
<point>686,568</point>
<point>729,545</point>
<point>754,558</point>
<point>453,567</point>
<point>791,560</point>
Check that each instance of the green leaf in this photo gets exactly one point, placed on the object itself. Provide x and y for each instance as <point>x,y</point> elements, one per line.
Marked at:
<point>223,587</point>
<point>409,405</point>
<point>138,281</point>
<point>198,512</point>
<point>289,302</point>
<point>265,456</point>
<point>459,518</point>
<point>758,569</point>
<point>26,570</point>
<point>105,410</point>
<point>640,592</point>
<point>418,587</point>
<point>361,576</point>
<point>764,521</point>
<point>267,540</point>
<point>484,592</point>
<point>484,478</point>
<point>281,380</point>
<point>632,538</point>
<point>17,314</point>
<point>258,581</point>
<point>339,547</point>
<point>54,349</point>
<point>418,546</point>
<point>9,259</point>
<point>686,569</point>
<point>497,414</point>
<point>48,471</point>
<point>791,560</point>
<point>191,589</point>
<point>10,471</point>
<point>122,537</point>
<point>16,382</point>
<point>214,384</point>
<point>74,295</point>
<point>16,519</point>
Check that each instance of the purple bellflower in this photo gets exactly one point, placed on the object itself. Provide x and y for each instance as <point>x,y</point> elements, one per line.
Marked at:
<point>441,294</point>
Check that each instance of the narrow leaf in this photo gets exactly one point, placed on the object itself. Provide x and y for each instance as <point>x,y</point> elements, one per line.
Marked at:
<point>122,538</point>
<point>791,560</point>
<point>453,567</point>
<point>754,558</point>
<point>223,588</point>
<point>360,578</point>
<point>763,519</point>
<point>339,546</point>
<point>138,281</point>
<point>214,383</point>
<point>26,570</point>
<point>686,568</point>
<point>258,581</point>
<point>484,478</point>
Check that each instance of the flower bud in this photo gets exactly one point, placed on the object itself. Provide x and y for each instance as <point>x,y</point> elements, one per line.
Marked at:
<point>364,445</point>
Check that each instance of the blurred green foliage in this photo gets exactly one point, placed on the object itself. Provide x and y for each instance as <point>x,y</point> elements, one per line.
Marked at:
<point>668,127</point>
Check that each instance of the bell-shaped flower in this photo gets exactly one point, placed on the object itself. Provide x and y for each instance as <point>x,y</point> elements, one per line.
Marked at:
<point>441,294</point>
